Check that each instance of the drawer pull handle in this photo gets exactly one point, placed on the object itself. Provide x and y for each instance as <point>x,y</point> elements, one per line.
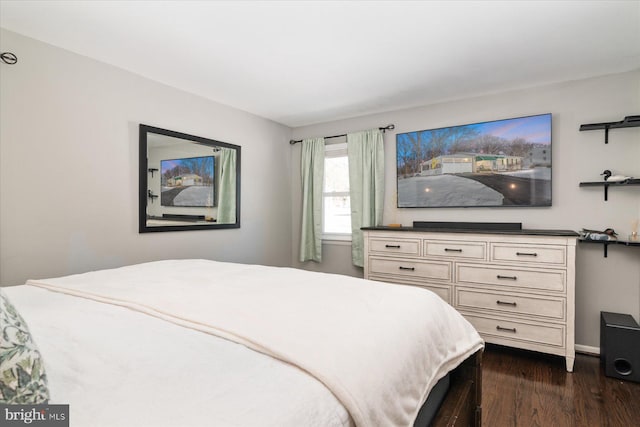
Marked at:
<point>500,328</point>
<point>507,277</point>
<point>407,268</point>
<point>513,304</point>
<point>452,250</point>
<point>526,254</point>
<point>392,246</point>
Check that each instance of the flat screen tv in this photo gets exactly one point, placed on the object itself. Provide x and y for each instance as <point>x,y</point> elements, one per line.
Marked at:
<point>489,164</point>
<point>188,182</point>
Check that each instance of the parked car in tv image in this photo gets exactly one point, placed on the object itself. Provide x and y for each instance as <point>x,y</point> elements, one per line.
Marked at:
<point>490,164</point>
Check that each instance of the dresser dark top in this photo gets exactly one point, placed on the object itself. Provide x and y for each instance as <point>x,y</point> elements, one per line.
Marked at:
<point>522,232</point>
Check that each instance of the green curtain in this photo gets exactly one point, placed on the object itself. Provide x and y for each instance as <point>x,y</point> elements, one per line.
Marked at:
<point>227,186</point>
<point>312,171</point>
<point>366,186</point>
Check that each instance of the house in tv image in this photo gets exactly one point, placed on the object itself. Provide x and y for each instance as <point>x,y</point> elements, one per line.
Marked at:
<point>470,163</point>
<point>538,156</point>
<point>184,180</point>
<point>497,163</point>
<point>188,190</point>
<point>452,163</point>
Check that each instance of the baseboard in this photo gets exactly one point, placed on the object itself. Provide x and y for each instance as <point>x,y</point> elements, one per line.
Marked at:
<point>587,349</point>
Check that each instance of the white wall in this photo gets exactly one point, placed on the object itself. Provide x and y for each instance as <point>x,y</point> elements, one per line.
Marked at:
<point>608,284</point>
<point>69,168</point>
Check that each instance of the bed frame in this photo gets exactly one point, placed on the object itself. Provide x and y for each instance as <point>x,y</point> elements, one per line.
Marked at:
<point>463,403</point>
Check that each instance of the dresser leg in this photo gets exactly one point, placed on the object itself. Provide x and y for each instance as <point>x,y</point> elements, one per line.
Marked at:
<point>570,361</point>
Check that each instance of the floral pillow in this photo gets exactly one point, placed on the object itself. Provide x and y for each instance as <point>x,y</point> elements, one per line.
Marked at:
<point>22,377</point>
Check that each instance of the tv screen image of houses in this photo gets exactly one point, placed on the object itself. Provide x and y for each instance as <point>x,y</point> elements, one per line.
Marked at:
<point>188,182</point>
<point>496,163</point>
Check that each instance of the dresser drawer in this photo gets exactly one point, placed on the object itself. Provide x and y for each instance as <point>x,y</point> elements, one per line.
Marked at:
<point>443,291</point>
<point>520,331</point>
<point>514,278</point>
<point>553,308</point>
<point>455,249</point>
<point>410,268</point>
<point>395,246</point>
<point>529,254</point>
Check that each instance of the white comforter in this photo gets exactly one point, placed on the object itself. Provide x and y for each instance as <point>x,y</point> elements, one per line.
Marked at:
<point>119,368</point>
<point>378,348</point>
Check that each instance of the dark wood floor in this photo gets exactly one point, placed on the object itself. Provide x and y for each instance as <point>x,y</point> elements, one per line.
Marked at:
<point>531,389</point>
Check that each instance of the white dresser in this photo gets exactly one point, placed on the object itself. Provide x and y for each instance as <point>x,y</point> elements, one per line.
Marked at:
<point>517,287</point>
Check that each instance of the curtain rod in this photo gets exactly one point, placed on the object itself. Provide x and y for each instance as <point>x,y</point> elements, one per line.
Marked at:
<point>385,128</point>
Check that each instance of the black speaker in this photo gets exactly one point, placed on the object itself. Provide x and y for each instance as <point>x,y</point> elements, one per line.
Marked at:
<point>620,346</point>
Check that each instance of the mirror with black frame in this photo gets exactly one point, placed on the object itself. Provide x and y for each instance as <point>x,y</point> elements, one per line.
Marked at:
<point>187,182</point>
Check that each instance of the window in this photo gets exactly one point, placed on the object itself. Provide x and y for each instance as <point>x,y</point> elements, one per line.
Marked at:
<point>336,210</point>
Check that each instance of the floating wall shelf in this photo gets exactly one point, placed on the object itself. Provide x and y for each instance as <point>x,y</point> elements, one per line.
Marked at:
<point>606,243</point>
<point>606,185</point>
<point>628,122</point>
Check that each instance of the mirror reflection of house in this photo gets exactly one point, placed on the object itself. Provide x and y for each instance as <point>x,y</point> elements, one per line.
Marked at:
<point>184,180</point>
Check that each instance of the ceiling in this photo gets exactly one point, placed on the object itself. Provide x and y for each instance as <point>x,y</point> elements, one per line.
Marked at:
<point>304,62</point>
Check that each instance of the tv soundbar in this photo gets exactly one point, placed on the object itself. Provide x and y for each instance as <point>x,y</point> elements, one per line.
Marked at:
<point>495,226</point>
<point>180,217</point>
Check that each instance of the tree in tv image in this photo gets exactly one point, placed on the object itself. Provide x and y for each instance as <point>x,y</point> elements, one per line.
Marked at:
<point>496,163</point>
<point>188,182</point>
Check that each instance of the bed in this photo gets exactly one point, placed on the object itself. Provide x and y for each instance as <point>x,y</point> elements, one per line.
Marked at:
<point>199,342</point>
